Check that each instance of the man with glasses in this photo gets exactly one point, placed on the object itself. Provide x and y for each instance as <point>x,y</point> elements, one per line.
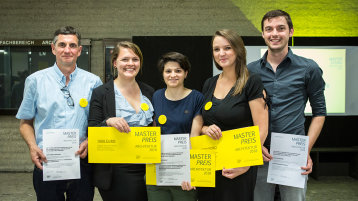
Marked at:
<point>57,98</point>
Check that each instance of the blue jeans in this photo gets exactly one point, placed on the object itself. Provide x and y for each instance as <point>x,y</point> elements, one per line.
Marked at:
<point>75,189</point>
<point>266,191</point>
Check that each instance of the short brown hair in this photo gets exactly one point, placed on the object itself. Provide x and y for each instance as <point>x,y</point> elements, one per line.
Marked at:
<point>67,30</point>
<point>181,59</point>
<point>277,13</point>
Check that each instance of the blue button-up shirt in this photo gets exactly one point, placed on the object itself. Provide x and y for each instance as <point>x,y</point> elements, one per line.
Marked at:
<point>125,110</point>
<point>45,102</point>
<point>296,79</point>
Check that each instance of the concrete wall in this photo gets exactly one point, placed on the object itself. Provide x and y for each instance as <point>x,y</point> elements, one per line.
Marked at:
<point>99,20</point>
<point>23,19</point>
<point>14,154</point>
<point>121,18</point>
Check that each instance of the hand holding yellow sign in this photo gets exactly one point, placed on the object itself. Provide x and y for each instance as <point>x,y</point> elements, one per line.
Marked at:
<point>236,148</point>
<point>108,145</point>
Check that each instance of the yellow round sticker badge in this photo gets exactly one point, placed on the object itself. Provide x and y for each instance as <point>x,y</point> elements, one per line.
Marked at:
<point>83,102</point>
<point>162,119</point>
<point>208,105</point>
<point>144,106</point>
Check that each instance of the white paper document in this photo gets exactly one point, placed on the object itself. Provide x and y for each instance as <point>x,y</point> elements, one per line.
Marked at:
<point>175,165</point>
<point>59,147</point>
<point>289,154</point>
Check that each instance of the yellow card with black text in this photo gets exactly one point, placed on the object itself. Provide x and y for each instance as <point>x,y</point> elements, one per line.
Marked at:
<point>236,148</point>
<point>239,148</point>
<point>108,145</point>
<point>150,174</point>
<point>202,168</point>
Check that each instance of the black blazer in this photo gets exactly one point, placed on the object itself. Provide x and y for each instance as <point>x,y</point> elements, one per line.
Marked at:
<point>102,107</point>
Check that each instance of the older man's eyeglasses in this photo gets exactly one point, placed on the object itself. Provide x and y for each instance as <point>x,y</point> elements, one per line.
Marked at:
<point>68,96</point>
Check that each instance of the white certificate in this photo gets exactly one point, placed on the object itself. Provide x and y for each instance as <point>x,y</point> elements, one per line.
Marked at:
<point>289,154</point>
<point>59,147</point>
<point>175,165</point>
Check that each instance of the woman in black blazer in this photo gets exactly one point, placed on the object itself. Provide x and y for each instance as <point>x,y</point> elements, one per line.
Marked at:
<point>122,103</point>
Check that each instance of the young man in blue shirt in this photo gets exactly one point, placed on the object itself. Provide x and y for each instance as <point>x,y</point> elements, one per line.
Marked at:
<point>290,80</point>
<point>57,98</point>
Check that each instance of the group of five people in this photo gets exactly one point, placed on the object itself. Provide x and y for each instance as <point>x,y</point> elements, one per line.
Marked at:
<point>276,86</point>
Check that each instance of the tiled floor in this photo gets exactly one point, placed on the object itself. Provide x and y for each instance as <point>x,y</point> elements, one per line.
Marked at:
<point>18,187</point>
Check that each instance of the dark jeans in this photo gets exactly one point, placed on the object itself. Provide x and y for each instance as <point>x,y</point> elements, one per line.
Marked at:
<point>75,189</point>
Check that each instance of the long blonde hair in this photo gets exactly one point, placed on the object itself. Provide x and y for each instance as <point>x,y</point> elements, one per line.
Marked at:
<point>242,73</point>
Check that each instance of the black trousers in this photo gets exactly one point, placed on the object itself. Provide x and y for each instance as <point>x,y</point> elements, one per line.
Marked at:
<point>74,189</point>
<point>240,188</point>
<point>127,184</point>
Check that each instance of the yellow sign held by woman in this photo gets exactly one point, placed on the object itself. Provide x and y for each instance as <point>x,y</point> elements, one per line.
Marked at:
<point>236,148</point>
<point>108,145</point>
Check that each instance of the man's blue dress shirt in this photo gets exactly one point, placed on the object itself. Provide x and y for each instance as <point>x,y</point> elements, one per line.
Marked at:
<point>45,102</point>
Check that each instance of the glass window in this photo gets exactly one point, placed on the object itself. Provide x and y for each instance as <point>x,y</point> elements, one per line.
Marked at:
<point>109,45</point>
<point>17,62</point>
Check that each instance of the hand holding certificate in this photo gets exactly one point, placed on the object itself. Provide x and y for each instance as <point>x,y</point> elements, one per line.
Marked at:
<point>108,145</point>
<point>60,146</point>
<point>289,154</point>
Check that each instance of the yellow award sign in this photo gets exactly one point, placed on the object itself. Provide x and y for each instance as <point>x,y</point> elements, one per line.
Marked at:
<point>202,168</point>
<point>150,174</point>
<point>236,148</point>
<point>108,145</point>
